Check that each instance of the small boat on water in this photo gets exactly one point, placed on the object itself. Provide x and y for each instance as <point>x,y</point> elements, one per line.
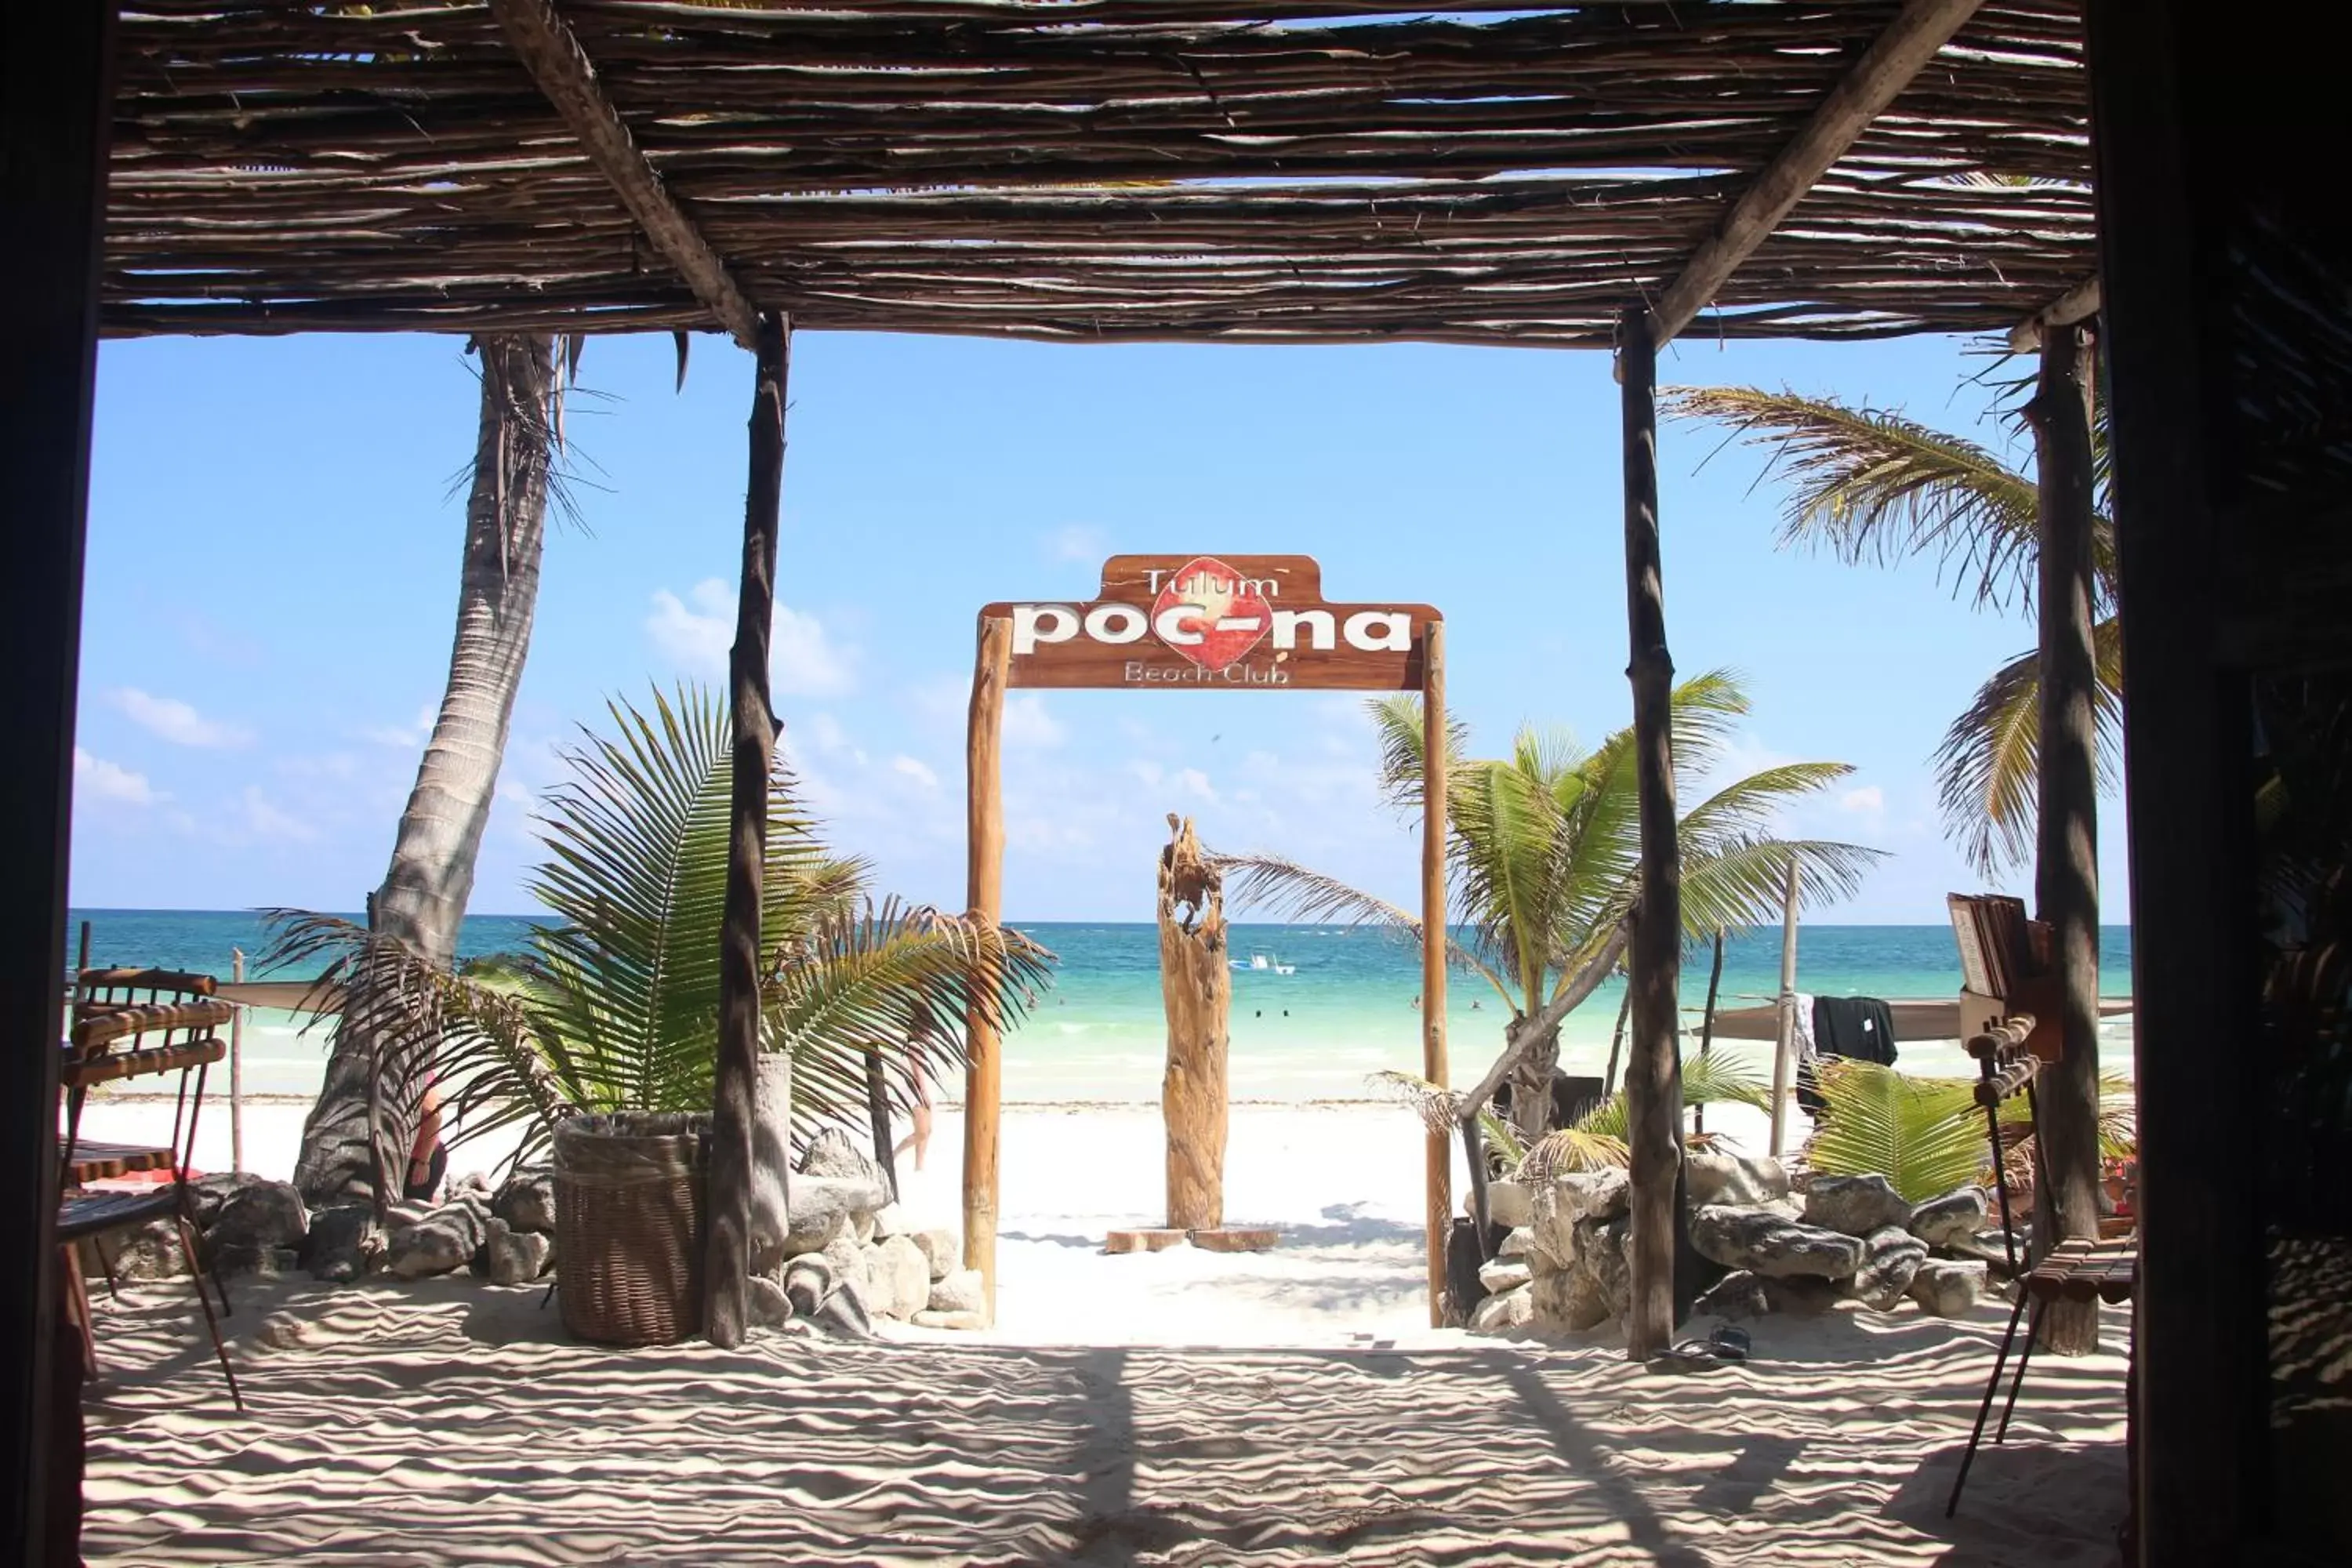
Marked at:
<point>1265,960</point>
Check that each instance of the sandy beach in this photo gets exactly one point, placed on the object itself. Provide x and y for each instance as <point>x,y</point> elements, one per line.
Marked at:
<point>1183,1407</point>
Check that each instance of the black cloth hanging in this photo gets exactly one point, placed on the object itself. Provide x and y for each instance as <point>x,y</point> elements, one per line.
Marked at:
<point>1862,1028</point>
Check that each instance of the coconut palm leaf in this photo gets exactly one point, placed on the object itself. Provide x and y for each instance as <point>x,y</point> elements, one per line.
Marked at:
<point>1873,486</point>
<point>1599,1137</point>
<point>1924,1136</point>
<point>1989,766</point>
<point>1743,882</point>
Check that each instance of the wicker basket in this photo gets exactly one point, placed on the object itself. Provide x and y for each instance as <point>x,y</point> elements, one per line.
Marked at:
<point>628,1225</point>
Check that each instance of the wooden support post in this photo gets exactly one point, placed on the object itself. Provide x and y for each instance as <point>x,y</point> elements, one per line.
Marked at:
<point>984,846</point>
<point>2067,864</point>
<point>1196,987</point>
<point>727,1258</point>
<point>56,96</point>
<point>1654,1110</point>
<point>1439,1179</point>
<point>236,1066</point>
<point>1784,1052</point>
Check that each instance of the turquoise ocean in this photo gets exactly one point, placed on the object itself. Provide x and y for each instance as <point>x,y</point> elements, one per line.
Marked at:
<point>1346,1009</point>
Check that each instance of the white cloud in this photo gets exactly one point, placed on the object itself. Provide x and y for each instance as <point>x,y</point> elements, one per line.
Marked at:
<point>695,633</point>
<point>1078,542</point>
<point>403,737</point>
<point>914,770</point>
<point>175,721</point>
<point>1026,722</point>
<point>1867,801</point>
<point>264,820</point>
<point>103,780</point>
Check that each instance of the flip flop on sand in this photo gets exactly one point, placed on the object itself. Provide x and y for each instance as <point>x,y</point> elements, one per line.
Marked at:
<point>1726,1343</point>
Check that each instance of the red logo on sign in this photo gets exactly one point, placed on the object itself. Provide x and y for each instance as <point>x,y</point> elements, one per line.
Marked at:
<point>1211,614</point>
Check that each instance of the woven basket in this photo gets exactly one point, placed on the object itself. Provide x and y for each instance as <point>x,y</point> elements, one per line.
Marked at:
<point>628,1225</point>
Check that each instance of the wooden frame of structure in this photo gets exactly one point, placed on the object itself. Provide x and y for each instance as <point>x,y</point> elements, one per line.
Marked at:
<point>1080,171</point>
<point>1163,623</point>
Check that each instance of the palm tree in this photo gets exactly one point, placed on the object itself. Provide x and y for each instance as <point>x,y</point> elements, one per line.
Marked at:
<point>1543,849</point>
<point>430,876</point>
<point>1873,486</point>
<point>614,1003</point>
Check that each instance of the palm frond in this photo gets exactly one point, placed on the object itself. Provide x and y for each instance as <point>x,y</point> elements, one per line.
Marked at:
<point>1922,1135</point>
<point>1871,485</point>
<point>1570,1149</point>
<point>1988,765</point>
<point>1398,726</point>
<point>1743,882</point>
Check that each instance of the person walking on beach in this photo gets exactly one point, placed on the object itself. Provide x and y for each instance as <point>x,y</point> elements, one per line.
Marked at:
<point>921,1138</point>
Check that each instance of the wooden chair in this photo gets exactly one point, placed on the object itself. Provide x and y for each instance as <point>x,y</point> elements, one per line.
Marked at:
<point>131,1023</point>
<point>2008,1061</point>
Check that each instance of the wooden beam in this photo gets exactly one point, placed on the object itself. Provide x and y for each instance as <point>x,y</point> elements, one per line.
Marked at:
<point>727,1257</point>
<point>2066,845</point>
<point>56,92</point>
<point>545,44</point>
<point>1653,1082</point>
<point>2079,304</point>
<point>1885,69</point>
<point>984,886</point>
<point>1438,1179</point>
<point>1784,1048</point>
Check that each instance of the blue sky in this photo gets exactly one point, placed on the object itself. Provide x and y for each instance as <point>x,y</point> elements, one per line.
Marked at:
<point>273,546</point>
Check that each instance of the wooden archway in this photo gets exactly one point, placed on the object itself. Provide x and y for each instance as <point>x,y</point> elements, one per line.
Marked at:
<point>1247,623</point>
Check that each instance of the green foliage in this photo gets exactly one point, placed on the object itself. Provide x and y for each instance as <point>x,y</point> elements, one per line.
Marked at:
<point>615,1005</point>
<point>1924,1136</point>
<point>1872,485</point>
<point>1598,1139</point>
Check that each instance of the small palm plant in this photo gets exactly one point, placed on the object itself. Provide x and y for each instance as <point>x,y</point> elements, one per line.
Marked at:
<point>1928,1135</point>
<point>613,1003</point>
<point>1543,849</point>
<point>1870,485</point>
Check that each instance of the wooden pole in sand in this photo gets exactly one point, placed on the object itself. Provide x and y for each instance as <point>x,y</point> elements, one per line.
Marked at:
<point>236,1066</point>
<point>2066,857</point>
<point>727,1253</point>
<point>1784,1053</point>
<point>1653,959</point>
<point>984,885</point>
<point>1196,985</point>
<point>1440,1178</point>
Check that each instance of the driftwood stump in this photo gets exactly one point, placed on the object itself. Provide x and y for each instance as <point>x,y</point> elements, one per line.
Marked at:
<point>1197,985</point>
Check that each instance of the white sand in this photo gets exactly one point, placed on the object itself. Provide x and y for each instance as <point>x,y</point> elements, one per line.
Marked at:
<point>1316,1420</point>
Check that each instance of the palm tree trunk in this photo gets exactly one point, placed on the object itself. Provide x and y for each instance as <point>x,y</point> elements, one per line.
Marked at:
<point>355,1143</point>
<point>2066,870</point>
<point>1531,1088</point>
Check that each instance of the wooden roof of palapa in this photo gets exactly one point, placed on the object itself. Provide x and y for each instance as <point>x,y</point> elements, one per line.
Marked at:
<point>1079,169</point>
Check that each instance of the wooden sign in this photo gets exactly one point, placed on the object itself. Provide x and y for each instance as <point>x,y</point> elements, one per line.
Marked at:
<point>1240,623</point>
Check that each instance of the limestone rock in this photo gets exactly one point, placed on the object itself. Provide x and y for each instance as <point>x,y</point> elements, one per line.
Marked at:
<point>1504,1274</point>
<point>771,1307</point>
<point>239,1258</point>
<point>1855,1205</point>
<point>345,1242</point>
<point>1801,1295</point>
<point>1567,1299</point>
<point>208,1194</point>
<point>1891,1257</point>
<point>1716,1176</point>
<point>527,1202</point>
<point>1954,1218</point>
<point>1508,1203</point>
<point>823,1205</point>
<point>1602,1253</point>
<point>848,1261</point>
<point>832,1154</point>
<point>443,1241</point>
<point>401,1215</point>
<point>1513,1308</point>
<point>1520,1243</point>
<point>939,1244</point>
<point>1948,1289</point>
<point>1765,1241</point>
<point>843,1313</point>
<point>1556,1207</point>
<point>901,1276</point>
<point>1738,1294</point>
<point>151,1251</point>
<point>889,1220</point>
<point>930,1320</point>
<point>262,1214</point>
<point>514,1256</point>
<point>808,1280</point>
<point>958,1291</point>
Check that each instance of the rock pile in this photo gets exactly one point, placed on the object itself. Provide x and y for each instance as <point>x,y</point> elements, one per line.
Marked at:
<point>1565,1267</point>
<point>851,1255</point>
